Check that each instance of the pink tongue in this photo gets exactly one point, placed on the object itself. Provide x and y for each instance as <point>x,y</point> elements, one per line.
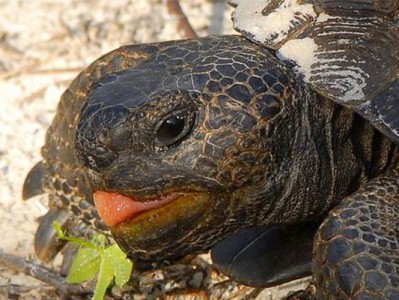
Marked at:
<point>114,208</point>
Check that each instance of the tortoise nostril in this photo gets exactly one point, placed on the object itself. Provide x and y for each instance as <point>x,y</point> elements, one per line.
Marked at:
<point>101,159</point>
<point>94,154</point>
<point>93,144</point>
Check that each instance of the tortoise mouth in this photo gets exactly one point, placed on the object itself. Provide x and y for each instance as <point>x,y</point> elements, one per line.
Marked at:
<point>115,208</point>
<point>147,226</point>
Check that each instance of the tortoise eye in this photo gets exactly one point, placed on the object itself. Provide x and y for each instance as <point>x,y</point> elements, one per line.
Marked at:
<point>174,128</point>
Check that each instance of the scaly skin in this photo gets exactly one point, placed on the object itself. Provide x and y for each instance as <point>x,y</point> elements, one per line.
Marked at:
<point>69,192</point>
<point>258,147</point>
<point>356,248</point>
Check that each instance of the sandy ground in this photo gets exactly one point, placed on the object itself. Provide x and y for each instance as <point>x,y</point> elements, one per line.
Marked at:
<point>43,46</point>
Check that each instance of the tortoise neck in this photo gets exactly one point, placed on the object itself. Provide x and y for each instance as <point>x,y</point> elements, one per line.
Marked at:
<point>328,152</point>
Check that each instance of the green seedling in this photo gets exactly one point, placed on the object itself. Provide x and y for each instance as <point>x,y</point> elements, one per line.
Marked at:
<point>94,257</point>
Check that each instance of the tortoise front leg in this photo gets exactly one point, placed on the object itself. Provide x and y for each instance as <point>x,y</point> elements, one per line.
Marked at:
<point>266,256</point>
<point>356,250</point>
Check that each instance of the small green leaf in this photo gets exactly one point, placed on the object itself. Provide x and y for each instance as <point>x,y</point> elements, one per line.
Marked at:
<point>58,229</point>
<point>104,279</point>
<point>85,266</point>
<point>94,257</point>
<point>78,241</point>
<point>122,265</point>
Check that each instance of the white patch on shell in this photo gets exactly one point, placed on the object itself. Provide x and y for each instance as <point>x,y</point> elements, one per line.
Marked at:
<point>348,82</point>
<point>351,81</point>
<point>323,17</point>
<point>274,27</point>
<point>302,52</point>
<point>326,67</point>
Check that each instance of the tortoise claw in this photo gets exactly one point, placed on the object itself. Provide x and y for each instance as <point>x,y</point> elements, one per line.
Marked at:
<point>265,256</point>
<point>46,243</point>
<point>34,181</point>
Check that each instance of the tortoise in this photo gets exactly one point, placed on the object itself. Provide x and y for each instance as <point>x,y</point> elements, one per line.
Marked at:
<point>242,145</point>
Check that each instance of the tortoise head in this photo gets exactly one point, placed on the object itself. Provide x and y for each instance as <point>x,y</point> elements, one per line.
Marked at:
<point>178,150</point>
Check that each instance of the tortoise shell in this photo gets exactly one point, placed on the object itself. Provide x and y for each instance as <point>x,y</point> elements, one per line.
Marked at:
<point>346,50</point>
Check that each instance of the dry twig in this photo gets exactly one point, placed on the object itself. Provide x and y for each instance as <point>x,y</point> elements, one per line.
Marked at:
<point>43,274</point>
<point>183,25</point>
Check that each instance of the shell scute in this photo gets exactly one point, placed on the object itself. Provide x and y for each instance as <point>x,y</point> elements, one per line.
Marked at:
<point>348,51</point>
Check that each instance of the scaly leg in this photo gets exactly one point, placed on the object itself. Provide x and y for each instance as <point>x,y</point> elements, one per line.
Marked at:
<point>356,251</point>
